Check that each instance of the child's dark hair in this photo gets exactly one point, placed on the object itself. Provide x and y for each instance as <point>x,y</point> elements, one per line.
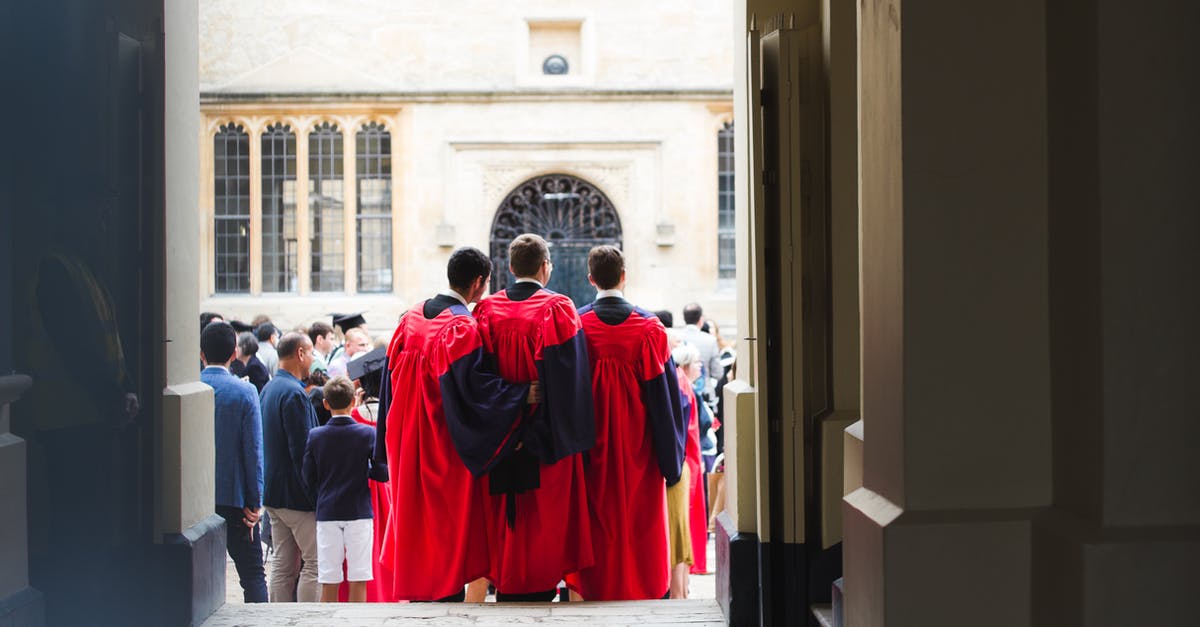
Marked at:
<point>339,393</point>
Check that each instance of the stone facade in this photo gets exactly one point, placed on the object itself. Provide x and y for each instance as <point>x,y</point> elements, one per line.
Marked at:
<point>471,117</point>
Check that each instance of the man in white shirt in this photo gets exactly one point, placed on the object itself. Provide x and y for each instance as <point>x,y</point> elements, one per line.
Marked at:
<point>710,353</point>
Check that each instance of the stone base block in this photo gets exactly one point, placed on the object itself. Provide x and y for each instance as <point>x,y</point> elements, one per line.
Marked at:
<point>23,608</point>
<point>193,585</point>
<point>737,573</point>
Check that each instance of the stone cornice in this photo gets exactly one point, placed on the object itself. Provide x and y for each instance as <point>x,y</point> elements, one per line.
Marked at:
<point>208,99</point>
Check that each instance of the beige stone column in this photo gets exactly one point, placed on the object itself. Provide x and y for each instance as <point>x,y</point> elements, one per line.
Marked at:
<point>255,131</point>
<point>955,370</point>
<point>303,127</point>
<point>184,479</point>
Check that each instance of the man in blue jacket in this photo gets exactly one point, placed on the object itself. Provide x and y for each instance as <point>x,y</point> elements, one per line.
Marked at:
<point>287,417</point>
<point>239,458</point>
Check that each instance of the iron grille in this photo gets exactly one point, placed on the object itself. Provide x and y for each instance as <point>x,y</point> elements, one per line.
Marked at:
<point>571,214</point>
<point>325,207</point>
<point>373,176</point>
<point>231,209</point>
<point>279,209</point>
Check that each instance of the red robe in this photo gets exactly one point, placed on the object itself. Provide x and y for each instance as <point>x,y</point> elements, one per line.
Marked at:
<point>443,408</point>
<point>697,512</point>
<point>640,432</point>
<point>538,511</point>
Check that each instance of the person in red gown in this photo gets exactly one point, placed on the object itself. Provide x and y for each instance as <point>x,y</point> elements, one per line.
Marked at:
<point>640,432</point>
<point>538,510</point>
<point>448,419</point>
<point>689,372</point>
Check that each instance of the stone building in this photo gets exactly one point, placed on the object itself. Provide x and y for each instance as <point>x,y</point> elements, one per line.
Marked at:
<point>420,130</point>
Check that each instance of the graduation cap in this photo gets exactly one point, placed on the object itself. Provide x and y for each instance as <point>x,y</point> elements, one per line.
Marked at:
<point>241,327</point>
<point>368,370</point>
<point>345,322</point>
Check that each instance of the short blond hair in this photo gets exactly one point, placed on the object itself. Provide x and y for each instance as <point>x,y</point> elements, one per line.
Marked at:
<point>339,393</point>
<point>526,254</point>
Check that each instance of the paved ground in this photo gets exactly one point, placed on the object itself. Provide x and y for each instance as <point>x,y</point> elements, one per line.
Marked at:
<point>699,610</point>
<point>690,612</point>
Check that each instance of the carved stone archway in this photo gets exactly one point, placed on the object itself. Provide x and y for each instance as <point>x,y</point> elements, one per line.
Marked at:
<point>572,214</point>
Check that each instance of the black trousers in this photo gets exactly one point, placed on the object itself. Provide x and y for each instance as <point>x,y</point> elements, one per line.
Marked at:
<point>547,595</point>
<point>245,548</point>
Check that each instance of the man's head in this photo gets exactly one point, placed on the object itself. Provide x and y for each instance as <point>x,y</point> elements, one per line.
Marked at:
<point>692,313</point>
<point>529,258</point>
<point>667,318</point>
<point>357,341</point>
<point>217,343</point>
<point>247,345</point>
<point>468,272</point>
<point>209,317</point>
<point>295,353</point>
<point>322,337</point>
<point>606,267</point>
<point>339,394</point>
<point>266,333</point>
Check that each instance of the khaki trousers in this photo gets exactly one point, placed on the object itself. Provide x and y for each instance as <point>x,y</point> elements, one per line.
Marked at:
<point>294,536</point>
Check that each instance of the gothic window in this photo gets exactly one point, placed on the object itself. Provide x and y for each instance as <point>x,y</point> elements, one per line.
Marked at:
<point>726,256</point>
<point>279,209</point>
<point>325,207</point>
<point>571,214</point>
<point>231,209</point>
<point>373,174</point>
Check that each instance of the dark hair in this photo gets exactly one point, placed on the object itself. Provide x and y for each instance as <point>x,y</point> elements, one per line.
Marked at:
<point>218,341</point>
<point>605,264</point>
<point>316,377</point>
<point>692,313</point>
<point>318,329</point>
<point>247,343</point>
<point>467,264</point>
<point>289,344</point>
<point>526,254</point>
<point>667,318</point>
<point>207,317</point>
<point>339,393</point>
<point>264,331</point>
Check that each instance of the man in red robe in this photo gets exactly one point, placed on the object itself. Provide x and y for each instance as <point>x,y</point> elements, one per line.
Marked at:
<point>538,510</point>
<point>448,417</point>
<point>640,430</point>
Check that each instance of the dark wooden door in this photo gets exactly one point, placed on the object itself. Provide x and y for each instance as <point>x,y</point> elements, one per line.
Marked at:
<point>571,214</point>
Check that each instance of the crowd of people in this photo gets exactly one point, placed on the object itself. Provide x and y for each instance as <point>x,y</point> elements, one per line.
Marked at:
<point>524,445</point>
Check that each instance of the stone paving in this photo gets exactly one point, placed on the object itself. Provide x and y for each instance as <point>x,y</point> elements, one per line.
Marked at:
<point>699,611</point>
<point>689,612</point>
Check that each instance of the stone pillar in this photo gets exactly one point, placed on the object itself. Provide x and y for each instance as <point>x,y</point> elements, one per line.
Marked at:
<point>955,314</point>
<point>20,605</point>
<point>192,536</point>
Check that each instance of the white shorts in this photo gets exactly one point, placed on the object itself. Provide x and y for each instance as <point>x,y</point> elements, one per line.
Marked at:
<point>349,540</point>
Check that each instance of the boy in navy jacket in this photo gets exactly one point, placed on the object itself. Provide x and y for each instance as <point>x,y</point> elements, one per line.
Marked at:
<point>337,464</point>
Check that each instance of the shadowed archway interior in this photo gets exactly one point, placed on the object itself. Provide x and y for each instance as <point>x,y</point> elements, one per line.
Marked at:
<point>572,214</point>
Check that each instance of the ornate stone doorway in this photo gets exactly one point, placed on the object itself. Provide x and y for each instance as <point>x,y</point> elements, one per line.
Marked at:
<point>572,214</point>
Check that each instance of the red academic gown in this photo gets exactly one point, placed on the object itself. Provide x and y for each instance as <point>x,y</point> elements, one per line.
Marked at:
<point>447,417</point>
<point>697,512</point>
<point>539,529</point>
<point>640,434</point>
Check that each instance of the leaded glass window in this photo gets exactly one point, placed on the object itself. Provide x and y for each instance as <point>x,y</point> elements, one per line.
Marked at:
<point>279,209</point>
<point>325,207</point>
<point>231,209</point>
<point>726,255</point>
<point>373,175</point>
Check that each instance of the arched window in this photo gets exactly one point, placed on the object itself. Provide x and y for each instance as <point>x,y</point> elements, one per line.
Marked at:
<point>726,253</point>
<point>325,206</point>
<point>373,174</point>
<point>279,209</point>
<point>231,209</point>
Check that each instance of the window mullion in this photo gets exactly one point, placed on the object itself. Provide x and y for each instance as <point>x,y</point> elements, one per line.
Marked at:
<point>303,233</point>
<point>350,215</point>
<point>256,210</point>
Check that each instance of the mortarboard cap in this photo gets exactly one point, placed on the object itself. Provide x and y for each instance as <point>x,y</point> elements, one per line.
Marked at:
<point>345,322</point>
<point>240,327</point>
<point>368,370</point>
